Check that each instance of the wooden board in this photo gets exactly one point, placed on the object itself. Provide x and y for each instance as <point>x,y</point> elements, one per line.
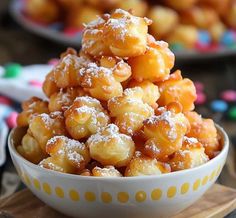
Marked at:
<point>216,203</point>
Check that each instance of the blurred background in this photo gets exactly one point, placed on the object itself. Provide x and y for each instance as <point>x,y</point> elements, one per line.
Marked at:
<point>202,34</point>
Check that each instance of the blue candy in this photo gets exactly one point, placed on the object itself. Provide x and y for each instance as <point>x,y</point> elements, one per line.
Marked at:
<point>228,38</point>
<point>219,106</point>
<point>204,37</point>
<point>4,111</point>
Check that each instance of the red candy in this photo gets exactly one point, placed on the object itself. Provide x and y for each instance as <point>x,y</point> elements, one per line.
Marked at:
<point>201,98</point>
<point>229,95</point>
<point>71,32</point>
<point>11,119</point>
<point>53,61</point>
<point>36,83</point>
<point>199,86</point>
<point>5,100</point>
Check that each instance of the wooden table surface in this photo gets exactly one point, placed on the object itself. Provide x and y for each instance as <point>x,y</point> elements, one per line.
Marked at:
<point>217,202</point>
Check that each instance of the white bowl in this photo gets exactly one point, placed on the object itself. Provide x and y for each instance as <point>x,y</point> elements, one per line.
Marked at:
<point>127,197</point>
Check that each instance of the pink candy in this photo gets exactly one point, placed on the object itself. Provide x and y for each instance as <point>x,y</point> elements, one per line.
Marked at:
<point>5,100</point>
<point>201,98</point>
<point>11,119</point>
<point>199,86</point>
<point>35,83</point>
<point>53,61</point>
<point>71,32</point>
<point>229,95</point>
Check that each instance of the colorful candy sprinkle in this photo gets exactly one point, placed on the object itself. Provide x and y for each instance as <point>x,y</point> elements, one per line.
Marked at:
<point>4,111</point>
<point>11,120</point>
<point>219,106</point>
<point>199,86</point>
<point>201,98</point>
<point>53,61</point>
<point>5,100</point>
<point>35,83</point>
<point>71,32</point>
<point>56,26</point>
<point>229,95</point>
<point>12,70</point>
<point>228,38</point>
<point>176,47</point>
<point>204,37</point>
<point>232,113</point>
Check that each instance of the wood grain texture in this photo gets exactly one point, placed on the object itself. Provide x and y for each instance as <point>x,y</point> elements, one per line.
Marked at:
<point>216,203</point>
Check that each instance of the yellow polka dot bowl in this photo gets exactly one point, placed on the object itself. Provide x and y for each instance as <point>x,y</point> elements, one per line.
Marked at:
<point>127,197</point>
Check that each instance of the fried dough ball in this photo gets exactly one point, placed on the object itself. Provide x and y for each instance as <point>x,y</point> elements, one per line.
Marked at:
<point>221,7</point>
<point>85,172</point>
<point>120,34</point>
<point>164,20</point>
<point>180,5</point>
<point>138,7</point>
<point>30,149</point>
<point>49,85</point>
<point>129,110</point>
<point>205,131</point>
<point>44,126</point>
<point>151,91</point>
<point>104,5</point>
<point>66,72</point>
<point>141,165</point>
<point>189,156</point>
<point>164,133</point>
<point>186,35</point>
<point>104,82</point>
<point>85,117</point>
<point>109,147</point>
<point>230,16</point>
<point>45,11</point>
<point>155,64</point>
<point>177,89</point>
<point>108,171</point>
<point>31,107</point>
<point>81,15</point>
<point>66,155</point>
<point>201,17</point>
<point>61,100</point>
<point>217,30</point>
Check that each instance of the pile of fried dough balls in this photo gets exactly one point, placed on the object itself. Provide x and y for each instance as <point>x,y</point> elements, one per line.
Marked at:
<point>115,110</point>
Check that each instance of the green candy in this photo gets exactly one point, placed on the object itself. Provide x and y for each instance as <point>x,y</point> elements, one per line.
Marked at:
<point>232,113</point>
<point>12,70</point>
<point>176,47</point>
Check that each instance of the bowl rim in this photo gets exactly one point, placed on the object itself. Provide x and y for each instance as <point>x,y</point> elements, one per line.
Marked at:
<point>223,152</point>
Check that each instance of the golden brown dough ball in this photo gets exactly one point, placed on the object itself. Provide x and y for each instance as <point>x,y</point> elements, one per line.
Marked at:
<point>66,72</point>
<point>109,147</point>
<point>45,11</point>
<point>201,17</point>
<point>30,149</point>
<point>66,155</point>
<point>205,132</point>
<point>230,16</point>
<point>61,100</point>
<point>120,34</point>
<point>108,171</point>
<point>164,20</point>
<point>44,126</point>
<point>129,110</point>
<point>138,7</point>
<point>181,5</point>
<point>103,80</point>
<point>85,117</point>
<point>150,91</point>
<point>177,89</point>
<point>104,5</point>
<point>189,156</point>
<point>217,30</point>
<point>49,85</point>
<point>221,7</point>
<point>81,15</point>
<point>31,107</point>
<point>141,165</point>
<point>186,35</point>
<point>164,133</point>
<point>155,64</point>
